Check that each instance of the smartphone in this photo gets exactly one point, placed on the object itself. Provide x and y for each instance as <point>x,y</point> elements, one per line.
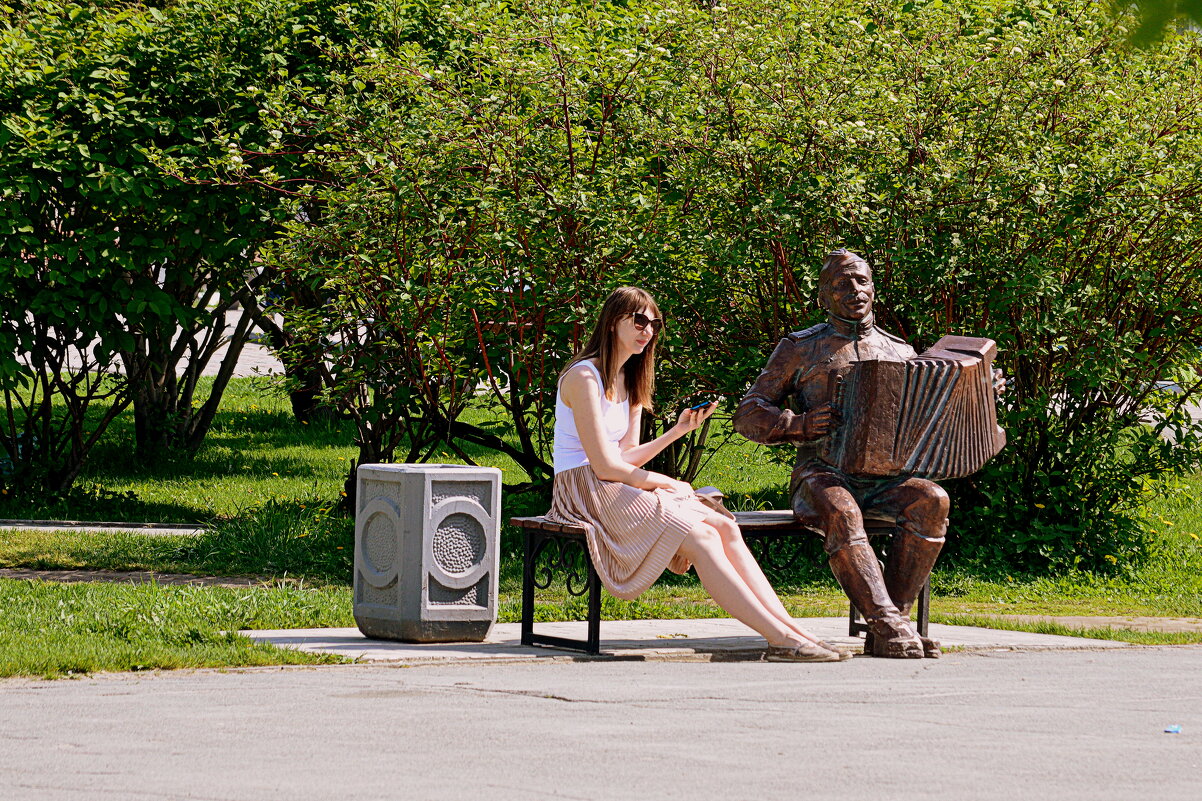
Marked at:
<point>701,405</point>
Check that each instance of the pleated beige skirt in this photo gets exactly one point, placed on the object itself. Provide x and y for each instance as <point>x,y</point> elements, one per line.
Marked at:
<point>632,534</point>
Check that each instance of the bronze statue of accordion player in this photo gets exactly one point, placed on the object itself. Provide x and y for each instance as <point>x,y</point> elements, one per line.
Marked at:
<point>875,425</point>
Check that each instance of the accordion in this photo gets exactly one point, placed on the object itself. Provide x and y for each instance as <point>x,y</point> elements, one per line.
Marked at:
<point>933,416</point>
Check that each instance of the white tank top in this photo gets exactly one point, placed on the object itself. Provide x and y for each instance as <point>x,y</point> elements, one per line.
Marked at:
<point>567,452</point>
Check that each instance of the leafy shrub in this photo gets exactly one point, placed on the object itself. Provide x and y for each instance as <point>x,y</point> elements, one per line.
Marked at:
<point>115,274</point>
<point>114,280</point>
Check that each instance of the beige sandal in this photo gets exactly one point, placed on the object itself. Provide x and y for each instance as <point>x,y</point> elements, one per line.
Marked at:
<point>843,653</point>
<point>805,652</point>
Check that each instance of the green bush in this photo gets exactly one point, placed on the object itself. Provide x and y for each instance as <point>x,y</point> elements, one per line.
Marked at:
<point>115,274</point>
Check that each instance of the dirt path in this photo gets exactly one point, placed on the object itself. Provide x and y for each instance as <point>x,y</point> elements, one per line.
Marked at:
<point>132,577</point>
<point>1135,623</point>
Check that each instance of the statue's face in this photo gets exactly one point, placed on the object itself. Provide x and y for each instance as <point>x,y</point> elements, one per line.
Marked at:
<point>851,292</point>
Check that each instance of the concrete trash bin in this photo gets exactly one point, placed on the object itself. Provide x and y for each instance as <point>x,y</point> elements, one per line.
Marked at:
<point>426,551</point>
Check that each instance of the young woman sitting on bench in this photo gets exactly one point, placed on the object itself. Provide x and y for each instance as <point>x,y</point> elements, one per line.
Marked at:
<point>638,522</point>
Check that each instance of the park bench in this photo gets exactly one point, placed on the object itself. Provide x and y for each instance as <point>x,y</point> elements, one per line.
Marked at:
<point>550,548</point>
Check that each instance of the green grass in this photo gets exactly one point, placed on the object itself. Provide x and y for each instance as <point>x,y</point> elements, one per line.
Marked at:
<point>300,539</point>
<point>255,452</point>
<point>55,630</point>
<point>52,629</point>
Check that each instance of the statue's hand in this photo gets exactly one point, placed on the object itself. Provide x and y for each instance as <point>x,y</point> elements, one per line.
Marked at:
<point>819,422</point>
<point>999,382</point>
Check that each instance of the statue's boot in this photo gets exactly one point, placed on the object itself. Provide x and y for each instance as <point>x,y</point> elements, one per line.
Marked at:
<point>911,557</point>
<point>858,572</point>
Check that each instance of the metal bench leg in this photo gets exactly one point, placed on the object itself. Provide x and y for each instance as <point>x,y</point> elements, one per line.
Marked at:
<point>594,607</point>
<point>924,608</point>
<point>854,626</point>
<point>528,588</point>
<point>536,543</point>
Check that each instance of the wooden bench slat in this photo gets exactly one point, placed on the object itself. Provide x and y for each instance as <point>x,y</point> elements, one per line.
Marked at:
<point>758,522</point>
<point>528,522</point>
<point>543,524</point>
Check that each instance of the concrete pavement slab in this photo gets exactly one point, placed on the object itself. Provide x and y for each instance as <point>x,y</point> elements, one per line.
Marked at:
<point>1086,725</point>
<point>712,639</point>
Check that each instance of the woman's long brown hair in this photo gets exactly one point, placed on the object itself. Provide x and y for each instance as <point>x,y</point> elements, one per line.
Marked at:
<point>602,345</point>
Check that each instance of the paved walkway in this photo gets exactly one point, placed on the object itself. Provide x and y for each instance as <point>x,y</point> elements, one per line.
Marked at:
<point>712,640</point>
<point>982,725</point>
<point>253,360</point>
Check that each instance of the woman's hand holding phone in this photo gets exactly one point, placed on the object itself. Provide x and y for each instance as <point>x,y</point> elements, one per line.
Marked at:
<point>691,418</point>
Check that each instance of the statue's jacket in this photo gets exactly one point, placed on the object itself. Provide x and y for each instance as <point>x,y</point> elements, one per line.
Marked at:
<point>799,378</point>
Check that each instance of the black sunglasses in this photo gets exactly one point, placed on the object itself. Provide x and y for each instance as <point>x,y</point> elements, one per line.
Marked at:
<point>641,321</point>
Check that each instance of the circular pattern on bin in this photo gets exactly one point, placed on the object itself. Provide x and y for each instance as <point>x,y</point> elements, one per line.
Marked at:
<point>379,542</point>
<point>459,543</point>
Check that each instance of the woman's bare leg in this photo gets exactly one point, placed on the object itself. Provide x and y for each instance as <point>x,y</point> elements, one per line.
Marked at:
<point>752,574</point>
<point>703,547</point>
